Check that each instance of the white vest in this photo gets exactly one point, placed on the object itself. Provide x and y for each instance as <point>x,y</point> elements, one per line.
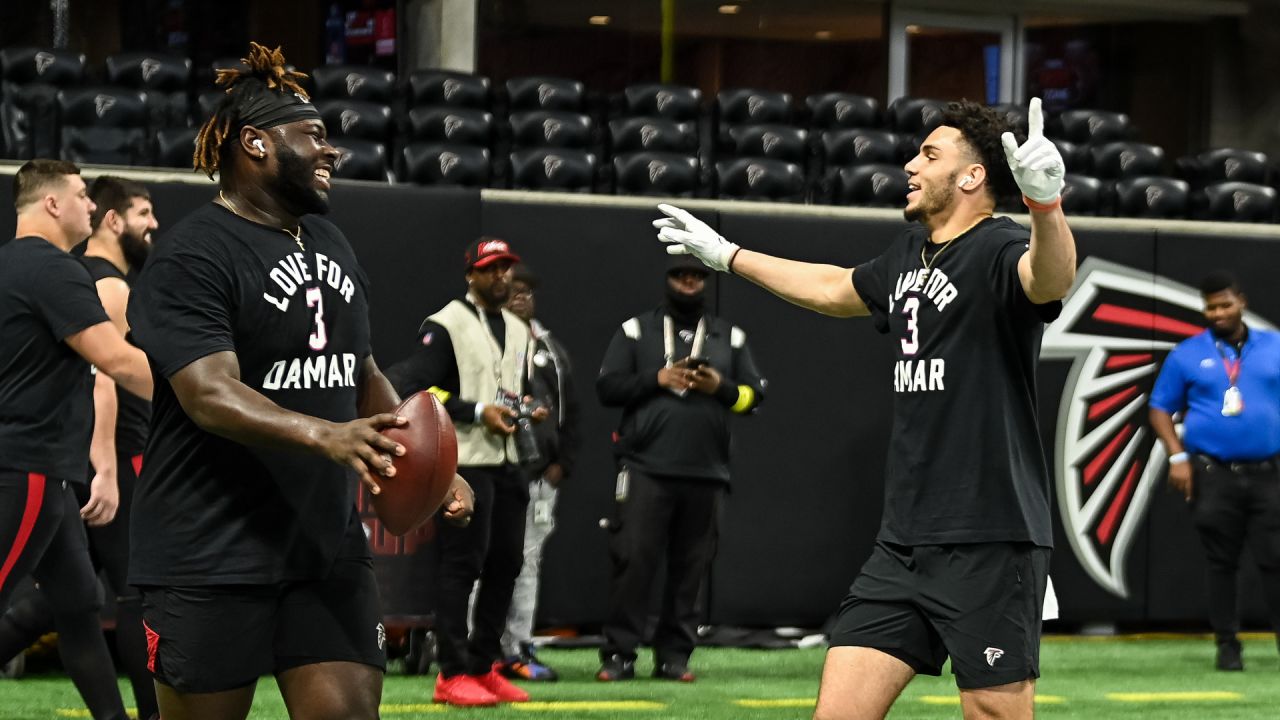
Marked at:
<point>473,350</point>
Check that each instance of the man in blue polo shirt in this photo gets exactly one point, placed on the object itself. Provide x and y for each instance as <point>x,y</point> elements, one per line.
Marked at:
<point>1226,383</point>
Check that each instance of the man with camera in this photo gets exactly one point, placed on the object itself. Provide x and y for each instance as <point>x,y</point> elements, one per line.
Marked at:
<point>678,373</point>
<point>474,356</point>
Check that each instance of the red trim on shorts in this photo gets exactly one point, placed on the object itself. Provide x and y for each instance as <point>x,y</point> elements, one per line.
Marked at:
<point>35,498</point>
<point>153,644</point>
<point>136,460</point>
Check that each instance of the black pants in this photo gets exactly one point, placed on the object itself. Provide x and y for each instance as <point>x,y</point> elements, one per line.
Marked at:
<point>1229,508</point>
<point>661,516</point>
<point>489,549</point>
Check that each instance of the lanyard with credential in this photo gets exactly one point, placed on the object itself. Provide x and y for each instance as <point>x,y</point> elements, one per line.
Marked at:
<point>1232,399</point>
<point>669,339</point>
<point>1231,366</point>
<point>494,349</point>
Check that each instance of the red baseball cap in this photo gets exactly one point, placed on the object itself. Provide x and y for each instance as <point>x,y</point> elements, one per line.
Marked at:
<point>488,250</point>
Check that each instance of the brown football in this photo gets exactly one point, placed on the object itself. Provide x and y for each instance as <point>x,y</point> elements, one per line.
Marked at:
<point>425,472</point>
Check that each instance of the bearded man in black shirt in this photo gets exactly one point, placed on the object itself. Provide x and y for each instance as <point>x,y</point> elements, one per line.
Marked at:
<point>961,561</point>
<point>245,537</point>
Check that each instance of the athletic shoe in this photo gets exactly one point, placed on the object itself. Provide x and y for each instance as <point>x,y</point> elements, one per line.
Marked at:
<point>463,690</point>
<point>616,667</point>
<point>526,666</point>
<point>673,671</point>
<point>501,687</point>
<point>1229,656</point>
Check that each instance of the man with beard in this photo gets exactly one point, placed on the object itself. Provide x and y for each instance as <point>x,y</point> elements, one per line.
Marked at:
<point>246,542</point>
<point>1226,384</point>
<point>961,562</point>
<point>473,355</point>
<point>678,373</point>
<point>122,221</point>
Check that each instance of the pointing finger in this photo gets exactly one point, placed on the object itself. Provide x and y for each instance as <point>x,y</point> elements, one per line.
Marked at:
<point>1035,119</point>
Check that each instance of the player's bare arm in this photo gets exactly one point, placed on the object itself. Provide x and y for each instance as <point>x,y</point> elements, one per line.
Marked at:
<point>827,289</point>
<point>105,348</point>
<point>104,489</point>
<point>1048,269</point>
<point>213,396</point>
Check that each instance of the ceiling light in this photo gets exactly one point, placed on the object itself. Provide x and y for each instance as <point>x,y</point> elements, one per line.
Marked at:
<point>823,35</point>
<point>729,9</point>
<point>599,20</point>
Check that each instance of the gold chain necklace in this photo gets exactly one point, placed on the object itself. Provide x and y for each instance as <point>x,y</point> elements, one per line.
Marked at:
<point>295,234</point>
<point>933,260</point>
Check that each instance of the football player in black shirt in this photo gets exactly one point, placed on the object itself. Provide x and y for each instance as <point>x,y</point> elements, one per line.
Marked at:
<point>51,323</point>
<point>254,315</point>
<point>960,564</point>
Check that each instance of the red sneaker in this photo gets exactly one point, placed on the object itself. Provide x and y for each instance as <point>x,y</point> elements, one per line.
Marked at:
<point>463,690</point>
<point>501,687</point>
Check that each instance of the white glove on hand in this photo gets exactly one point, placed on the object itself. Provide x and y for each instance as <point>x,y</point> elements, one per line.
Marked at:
<point>690,236</point>
<point>1037,166</point>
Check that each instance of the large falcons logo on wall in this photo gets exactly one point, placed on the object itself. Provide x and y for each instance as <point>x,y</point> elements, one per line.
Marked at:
<point>1117,326</point>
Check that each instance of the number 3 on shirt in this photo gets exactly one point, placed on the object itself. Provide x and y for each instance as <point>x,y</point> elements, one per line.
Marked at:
<point>910,343</point>
<point>318,338</point>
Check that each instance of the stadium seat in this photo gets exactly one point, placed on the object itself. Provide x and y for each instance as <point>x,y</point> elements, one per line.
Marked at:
<point>103,125</point>
<point>15,132</point>
<point>656,100</point>
<point>174,147</point>
<point>361,159</point>
<point>1152,197</point>
<point>915,116</point>
<point>30,79</point>
<point>164,78</point>
<point>1224,164</point>
<point>1126,159</point>
<point>873,185</point>
<point>1238,202</point>
<point>759,179</point>
<point>556,169</point>
<point>779,142</point>
<point>655,174</point>
<point>743,106</point>
<point>439,123</point>
<point>857,146</point>
<point>353,82</point>
<point>207,104</point>
<point>1015,115</point>
<point>356,118</point>
<point>1093,127</point>
<point>545,93</point>
<point>652,134</point>
<point>44,66</point>
<point>549,128</point>
<point>429,163</point>
<point>1075,157</point>
<point>1084,195</point>
<point>834,110</point>
<point>448,88</point>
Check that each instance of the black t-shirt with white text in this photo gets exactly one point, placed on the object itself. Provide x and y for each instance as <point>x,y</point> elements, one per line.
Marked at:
<point>209,510</point>
<point>133,414</point>
<point>46,388</point>
<point>965,460</point>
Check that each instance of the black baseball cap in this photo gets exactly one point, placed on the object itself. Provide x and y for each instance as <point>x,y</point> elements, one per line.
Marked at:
<point>686,263</point>
<point>486,251</point>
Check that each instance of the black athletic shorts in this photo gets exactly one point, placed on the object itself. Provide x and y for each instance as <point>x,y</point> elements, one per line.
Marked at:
<point>205,639</point>
<point>980,604</point>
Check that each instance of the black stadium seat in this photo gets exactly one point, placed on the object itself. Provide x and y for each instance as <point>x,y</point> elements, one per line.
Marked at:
<point>759,179</point>
<point>353,82</point>
<point>744,106</point>
<point>856,146</point>
<point>656,174</point>
<point>545,93</point>
<point>356,118</point>
<point>656,100</point>
<point>873,185</point>
<point>361,159</point>
<point>779,142</point>
<point>207,104</point>
<point>1126,159</point>
<point>428,163</point>
<point>1238,202</point>
<point>549,128</point>
<point>445,87</point>
<point>439,123</point>
<point>174,147</point>
<point>103,125</point>
<point>652,134</point>
<point>45,66</point>
<point>1075,157</point>
<point>1225,164</point>
<point>556,169</point>
<point>915,116</point>
<point>1084,195</point>
<point>1094,127</point>
<point>30,79</point>
<point>1016,115</point>
<point>842,110</point>
<point>1152,197</point>
<point>164,78</point>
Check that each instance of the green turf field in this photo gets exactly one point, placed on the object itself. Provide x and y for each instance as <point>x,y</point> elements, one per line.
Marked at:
<point>1126,677</point>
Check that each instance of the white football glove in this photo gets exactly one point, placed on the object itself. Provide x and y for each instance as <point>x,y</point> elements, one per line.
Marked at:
<point>690,236</point>
<point>1037,166</point>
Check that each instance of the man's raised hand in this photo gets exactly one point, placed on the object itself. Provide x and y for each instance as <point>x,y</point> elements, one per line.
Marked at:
<point>1037,166</point>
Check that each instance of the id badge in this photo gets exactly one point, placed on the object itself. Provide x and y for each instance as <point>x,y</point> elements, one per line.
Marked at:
<point>541,512</point>
<point>1232,402</point>
<point>624,481</point>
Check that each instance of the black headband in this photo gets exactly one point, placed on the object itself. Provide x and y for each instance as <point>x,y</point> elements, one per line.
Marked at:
<point>270,108</point>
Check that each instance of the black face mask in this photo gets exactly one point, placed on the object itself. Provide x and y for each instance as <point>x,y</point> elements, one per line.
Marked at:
<point>684,307</point>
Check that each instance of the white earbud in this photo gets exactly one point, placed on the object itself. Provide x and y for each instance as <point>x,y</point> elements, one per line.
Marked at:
<point>257,142</point>
<point>966,181</point>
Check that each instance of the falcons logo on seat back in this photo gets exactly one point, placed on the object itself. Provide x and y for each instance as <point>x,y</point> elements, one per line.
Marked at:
<point>1117,327</point>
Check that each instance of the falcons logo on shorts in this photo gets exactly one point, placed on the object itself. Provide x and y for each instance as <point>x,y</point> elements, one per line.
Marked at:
<point>1117,326</point>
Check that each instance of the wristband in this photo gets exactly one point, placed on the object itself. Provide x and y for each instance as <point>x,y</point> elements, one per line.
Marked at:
<point>479,413</point>
<point>1042,207</point>
<point>728,266</point>
<point>1176,458</point>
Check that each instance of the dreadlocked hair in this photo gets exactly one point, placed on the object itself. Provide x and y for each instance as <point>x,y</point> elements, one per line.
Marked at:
<point>264,70</point>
